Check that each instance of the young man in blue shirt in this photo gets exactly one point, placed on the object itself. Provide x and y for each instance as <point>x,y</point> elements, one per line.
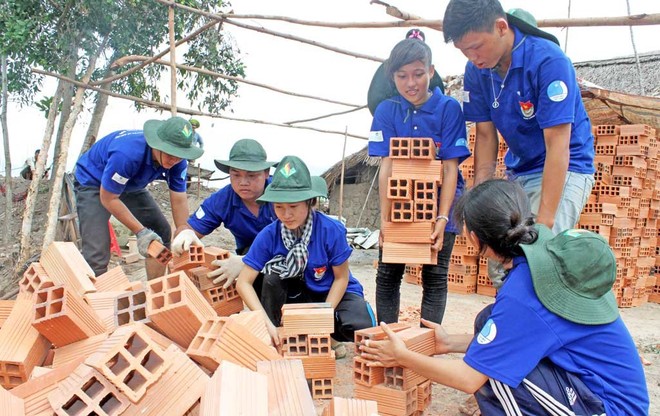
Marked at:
<point>235,206</point>
<point>520,83</point>
<point>111,179</point>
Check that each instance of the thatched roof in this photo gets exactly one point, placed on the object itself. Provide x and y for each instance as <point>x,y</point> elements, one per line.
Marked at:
<point>362,157</point>
<point>620,74</point>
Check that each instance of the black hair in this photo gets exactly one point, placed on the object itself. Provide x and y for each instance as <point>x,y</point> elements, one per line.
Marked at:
<point>499,213</point>
<point>463,16</point>
<point>416,34</point>
<point>405,52</point>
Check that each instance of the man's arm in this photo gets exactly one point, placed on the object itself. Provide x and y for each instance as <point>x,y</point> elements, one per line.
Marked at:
<point>485,151</point>
<point>116,207</point>
<point>557,156</point>
<point>180,212</point>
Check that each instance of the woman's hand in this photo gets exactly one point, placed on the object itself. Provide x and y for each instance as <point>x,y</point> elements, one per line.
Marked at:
<point>272,331</point>
<point>385,353</point>
<point>442,338</point>
<point>438,234</point>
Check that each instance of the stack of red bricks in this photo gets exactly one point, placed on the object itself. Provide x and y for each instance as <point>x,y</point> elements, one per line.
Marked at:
<point>77,344</point>
<point>413,192</point>
<point>624,207</point>
<point>398,391</point>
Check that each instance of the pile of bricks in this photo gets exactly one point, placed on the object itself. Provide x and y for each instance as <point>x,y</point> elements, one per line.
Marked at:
<point>413,192</point>
<point>398,391</point>
<point>624,206</point>
<point>73,343</point>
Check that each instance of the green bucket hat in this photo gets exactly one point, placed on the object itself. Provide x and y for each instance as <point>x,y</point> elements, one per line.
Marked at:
<point>173,136</point>
<point>293,183</point>
<point>245,154</point>
<point>526,22</point>
<point>573,273</point>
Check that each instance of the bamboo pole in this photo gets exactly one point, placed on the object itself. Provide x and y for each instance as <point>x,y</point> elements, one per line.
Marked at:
<point>341,177</point>
<point>189,111</point>
<point>326,116</point>
<point>172,60</point>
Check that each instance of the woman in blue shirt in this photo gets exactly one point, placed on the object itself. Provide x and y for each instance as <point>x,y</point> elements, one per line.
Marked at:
<point>303,255</point>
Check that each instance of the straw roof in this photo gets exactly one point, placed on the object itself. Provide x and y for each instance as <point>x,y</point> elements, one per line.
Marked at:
<point>620,74</point>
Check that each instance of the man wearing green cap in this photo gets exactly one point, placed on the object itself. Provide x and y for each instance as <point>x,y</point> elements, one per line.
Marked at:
<point>303,256</point>
<point>553,342</point>
<point>235,206</point>
<point>111,179</point>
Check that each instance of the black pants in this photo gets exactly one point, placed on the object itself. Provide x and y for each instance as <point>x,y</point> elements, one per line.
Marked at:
<point>434,285</point>
<point>352,312</point>
<point>93,218</point>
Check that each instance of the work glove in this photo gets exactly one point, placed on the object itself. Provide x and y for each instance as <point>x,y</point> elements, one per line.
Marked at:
<point>184,240</point>
<point>144,237</point>
<point>228,269</point>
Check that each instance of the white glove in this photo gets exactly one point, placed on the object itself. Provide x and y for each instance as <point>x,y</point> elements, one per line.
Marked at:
<point>184,240</point>
<point>228,269</point>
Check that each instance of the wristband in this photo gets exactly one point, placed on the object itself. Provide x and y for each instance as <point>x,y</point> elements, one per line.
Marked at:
<point>442,217</point>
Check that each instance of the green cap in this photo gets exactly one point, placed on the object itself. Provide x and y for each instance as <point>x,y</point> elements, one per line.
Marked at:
<point>194,123</point>
<point>173,136</point>
<point>293,183</point>
<point>245,154</point>
<point>526,22</point>
<point>573,274</point>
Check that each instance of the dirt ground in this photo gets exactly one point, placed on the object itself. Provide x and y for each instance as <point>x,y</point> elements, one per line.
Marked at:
<point>643,322</point>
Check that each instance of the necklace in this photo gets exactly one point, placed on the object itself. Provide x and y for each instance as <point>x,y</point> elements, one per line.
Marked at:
<point>496,98</point>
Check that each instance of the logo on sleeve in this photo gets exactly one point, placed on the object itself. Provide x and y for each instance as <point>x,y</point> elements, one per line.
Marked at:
<point>461,142</point>
<point>183,174</point>
<point>199,214</point>
<point>119,179</point>
<point>376,136</point>
<point>557,91</point>
<point>319,272</point>
<point>527,109</point>
<point>466,96</point>
<point>488,333</point>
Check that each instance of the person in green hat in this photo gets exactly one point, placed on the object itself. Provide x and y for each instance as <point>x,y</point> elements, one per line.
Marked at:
<point>235,206</point>
<point>303,256</point>
<point>553,342</point>
<point>111,179</point>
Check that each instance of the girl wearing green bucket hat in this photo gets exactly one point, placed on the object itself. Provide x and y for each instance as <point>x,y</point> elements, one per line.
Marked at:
<point>553,342</point>
<point>303,256</point>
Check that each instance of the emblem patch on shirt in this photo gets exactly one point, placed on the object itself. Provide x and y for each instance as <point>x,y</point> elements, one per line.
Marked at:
<point>376,136</point>
<point>199,213</point>
<point>119,179</point>
<point>319,272</point>
<point>183,174</point>
<point>461,142</point>
<point>557,91</point>
<point>488,333</point>
<point>466,96</point>
<point>527,109</point>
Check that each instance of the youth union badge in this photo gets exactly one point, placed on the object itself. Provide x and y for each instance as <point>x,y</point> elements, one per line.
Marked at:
<point>488,333</point>
<point>557,91</point>
<point>527,109</point>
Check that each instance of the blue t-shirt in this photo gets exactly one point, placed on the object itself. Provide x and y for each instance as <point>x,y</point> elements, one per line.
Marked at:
<point>327,247</point>
<point>521,331</point>
<point>440,118</point>
<point>540,91</point>
<point>122,162</point>
<point>226,207</point>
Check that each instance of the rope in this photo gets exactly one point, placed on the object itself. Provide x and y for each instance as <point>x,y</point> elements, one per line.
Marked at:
<point>637,63</point>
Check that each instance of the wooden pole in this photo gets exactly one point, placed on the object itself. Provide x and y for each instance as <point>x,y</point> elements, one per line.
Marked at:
<point>172,61</point>
<point>341,177</point>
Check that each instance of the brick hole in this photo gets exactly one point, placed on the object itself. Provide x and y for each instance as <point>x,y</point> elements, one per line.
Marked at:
<point>174,297</point>
<point>42,296</point>
<point>135,345</point>
<point>156,287</point>
<point>157,302</point>
<point>207,343</point>
<point>74,406</point>
<point>57,293</point>
<point>139,298</point>
<point>110,404</point>
<point>55,307</point>
<point>173,281</point>
<point>118,364</point>
<point>123,303</point>
<point>15,381</point>
<point>39,312</point>
<point>139,314</point>
<point>152,361</point>
<point>92,387</point>
<point>123,318</point>
<point>134,380</point>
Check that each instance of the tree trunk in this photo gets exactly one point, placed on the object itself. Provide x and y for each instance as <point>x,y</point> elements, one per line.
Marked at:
<point>99,111</point>
<point>56,191</point>
<point>30,201</point>
<point>67,98</point>
<point>5,141</point>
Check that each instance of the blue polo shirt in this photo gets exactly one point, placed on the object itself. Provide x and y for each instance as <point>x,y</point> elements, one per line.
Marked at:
<point>439,118</point>
<point>327,247</point>
<point>521,332</point>
<point>226,207</point>
<point>540,91</point>
<point>122,162</point>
